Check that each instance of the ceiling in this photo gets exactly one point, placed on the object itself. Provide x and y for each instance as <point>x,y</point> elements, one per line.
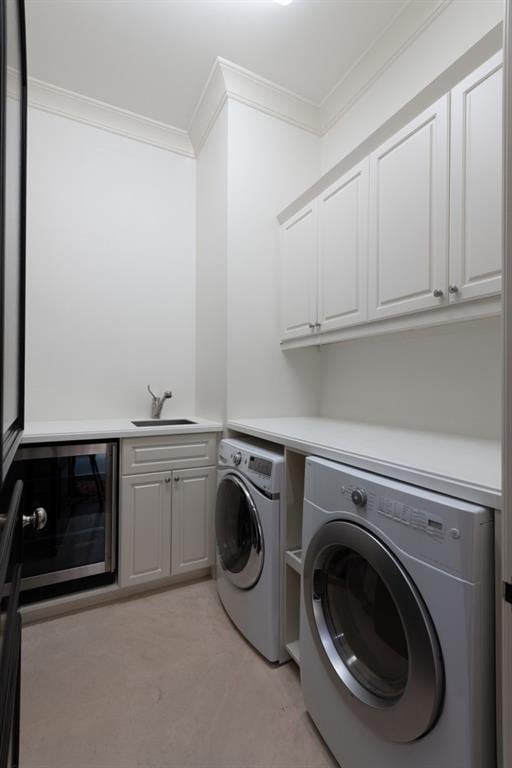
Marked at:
<point>153,57</point>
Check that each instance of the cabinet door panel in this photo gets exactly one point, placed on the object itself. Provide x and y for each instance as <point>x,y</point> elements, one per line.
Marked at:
<point>299,247</point>
<point>343,251</point>
<point>476,183</point>
<point>145,528</point>
<point>192,519</point>
<point>409,217</point>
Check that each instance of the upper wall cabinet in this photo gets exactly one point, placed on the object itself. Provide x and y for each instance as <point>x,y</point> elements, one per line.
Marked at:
<point>409,217</point>
<point>409,237</point>
<point>476,183</point>
<point>343,251</point>
<point>299,246</point>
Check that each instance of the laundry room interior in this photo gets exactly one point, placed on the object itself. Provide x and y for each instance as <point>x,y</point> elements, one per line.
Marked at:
<point>256,383</point>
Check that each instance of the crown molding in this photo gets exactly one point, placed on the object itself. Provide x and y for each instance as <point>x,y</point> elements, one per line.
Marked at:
<point>406,27</point>
<point>208,108</point>
<point>59,101</point>
<point>230,81</point>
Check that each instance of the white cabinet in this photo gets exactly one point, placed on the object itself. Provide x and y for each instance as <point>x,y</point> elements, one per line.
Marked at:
<point>166,517</point>
<point>476,183</point>
<point>298,248</point>
<point>193,495</point>
<point>409,217</point>
<point>145,528</point>
<point>416,226</point>
<point>343,251</point>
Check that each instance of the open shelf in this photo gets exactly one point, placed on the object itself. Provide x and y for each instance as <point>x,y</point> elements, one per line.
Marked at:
<point>293,558</point>
<point>294,651</point>
<point>295,464</point>
<point>292,612</point>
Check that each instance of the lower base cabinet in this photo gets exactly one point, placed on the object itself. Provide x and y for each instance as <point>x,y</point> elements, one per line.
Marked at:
<point>166,524</point>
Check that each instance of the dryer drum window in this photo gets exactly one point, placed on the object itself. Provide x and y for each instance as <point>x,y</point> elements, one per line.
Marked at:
<point>373,631</point>
<point>238,533</point>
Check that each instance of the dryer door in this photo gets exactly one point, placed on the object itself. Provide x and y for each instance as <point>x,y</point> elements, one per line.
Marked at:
<point>373,631</point>
<point>238,533</point>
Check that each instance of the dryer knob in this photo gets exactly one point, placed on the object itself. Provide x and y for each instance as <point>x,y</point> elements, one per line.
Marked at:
<point>359,497</point>
<point>237,459</point>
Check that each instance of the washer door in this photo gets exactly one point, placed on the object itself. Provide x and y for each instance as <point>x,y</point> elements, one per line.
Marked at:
<point>373,631</point>
<point>238,533</point>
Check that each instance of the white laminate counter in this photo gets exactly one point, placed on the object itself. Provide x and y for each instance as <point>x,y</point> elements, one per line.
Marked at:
<point>104,429</point>
<point>465,467</point>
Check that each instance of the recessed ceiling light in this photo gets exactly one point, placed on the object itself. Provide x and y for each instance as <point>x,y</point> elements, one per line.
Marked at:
<point>283,2</point>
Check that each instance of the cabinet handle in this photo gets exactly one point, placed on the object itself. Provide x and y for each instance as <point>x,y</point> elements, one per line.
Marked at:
<point>437,293</point>
<point>318,325</point>
<point>312,326</point>
<point>177,478</point>
<point>453,289</point>
<point>167,479</point>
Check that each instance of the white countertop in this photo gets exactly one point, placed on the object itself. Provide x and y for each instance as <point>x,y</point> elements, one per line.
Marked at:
<point>464,467</point>
<point>103,429</point>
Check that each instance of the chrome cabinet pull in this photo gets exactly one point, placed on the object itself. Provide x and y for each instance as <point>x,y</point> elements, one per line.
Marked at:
<point>37,519</point>
<point>453,289</point>
<point>437,293</point>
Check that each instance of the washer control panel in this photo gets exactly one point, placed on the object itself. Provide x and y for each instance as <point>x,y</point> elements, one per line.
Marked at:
<point>261,466</point>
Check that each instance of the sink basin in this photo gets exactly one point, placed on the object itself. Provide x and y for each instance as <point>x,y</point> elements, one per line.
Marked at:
<point>163,423</point>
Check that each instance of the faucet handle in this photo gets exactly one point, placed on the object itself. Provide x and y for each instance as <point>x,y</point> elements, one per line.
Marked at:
<point>151,392</point>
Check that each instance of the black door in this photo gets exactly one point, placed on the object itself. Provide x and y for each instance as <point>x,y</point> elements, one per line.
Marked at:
<point>13,110</point>
<point>13,120</point>
<point>238,533</point>
<point>373,631</point>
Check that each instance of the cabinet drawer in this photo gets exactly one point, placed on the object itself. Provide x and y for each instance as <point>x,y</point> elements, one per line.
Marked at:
<point>158,454</point>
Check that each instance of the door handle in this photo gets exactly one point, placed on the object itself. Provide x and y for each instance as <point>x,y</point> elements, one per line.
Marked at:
<point>37,519</point>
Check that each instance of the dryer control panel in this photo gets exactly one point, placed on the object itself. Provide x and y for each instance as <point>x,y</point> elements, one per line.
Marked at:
<point>439,529</point>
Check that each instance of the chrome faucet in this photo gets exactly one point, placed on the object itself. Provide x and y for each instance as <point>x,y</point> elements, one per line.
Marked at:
<point>158,402</point>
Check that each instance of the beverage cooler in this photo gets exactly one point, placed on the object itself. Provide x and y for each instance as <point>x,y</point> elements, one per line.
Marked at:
<point>70,491</point>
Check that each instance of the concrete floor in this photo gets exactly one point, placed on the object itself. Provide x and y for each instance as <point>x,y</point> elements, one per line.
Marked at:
<point>159,681</point>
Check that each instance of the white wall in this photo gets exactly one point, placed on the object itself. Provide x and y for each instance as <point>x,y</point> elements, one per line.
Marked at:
<point>445,378</point>
<point>211,282</point>
<point>461,24</point>
<point>270,163</point>
<point>110,273</point>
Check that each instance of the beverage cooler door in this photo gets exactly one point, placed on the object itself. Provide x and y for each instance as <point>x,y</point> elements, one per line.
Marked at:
<point>71,489</point>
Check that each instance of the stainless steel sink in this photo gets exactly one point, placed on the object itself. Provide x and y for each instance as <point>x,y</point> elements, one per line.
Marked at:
<point>163,423</point>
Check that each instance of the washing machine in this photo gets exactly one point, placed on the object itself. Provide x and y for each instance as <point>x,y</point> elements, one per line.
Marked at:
<point>247,531</point>
<point>397,622</point>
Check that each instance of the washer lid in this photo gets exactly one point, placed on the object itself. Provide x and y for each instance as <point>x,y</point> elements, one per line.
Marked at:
<point>373,631</point>
<point>238,533</point>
